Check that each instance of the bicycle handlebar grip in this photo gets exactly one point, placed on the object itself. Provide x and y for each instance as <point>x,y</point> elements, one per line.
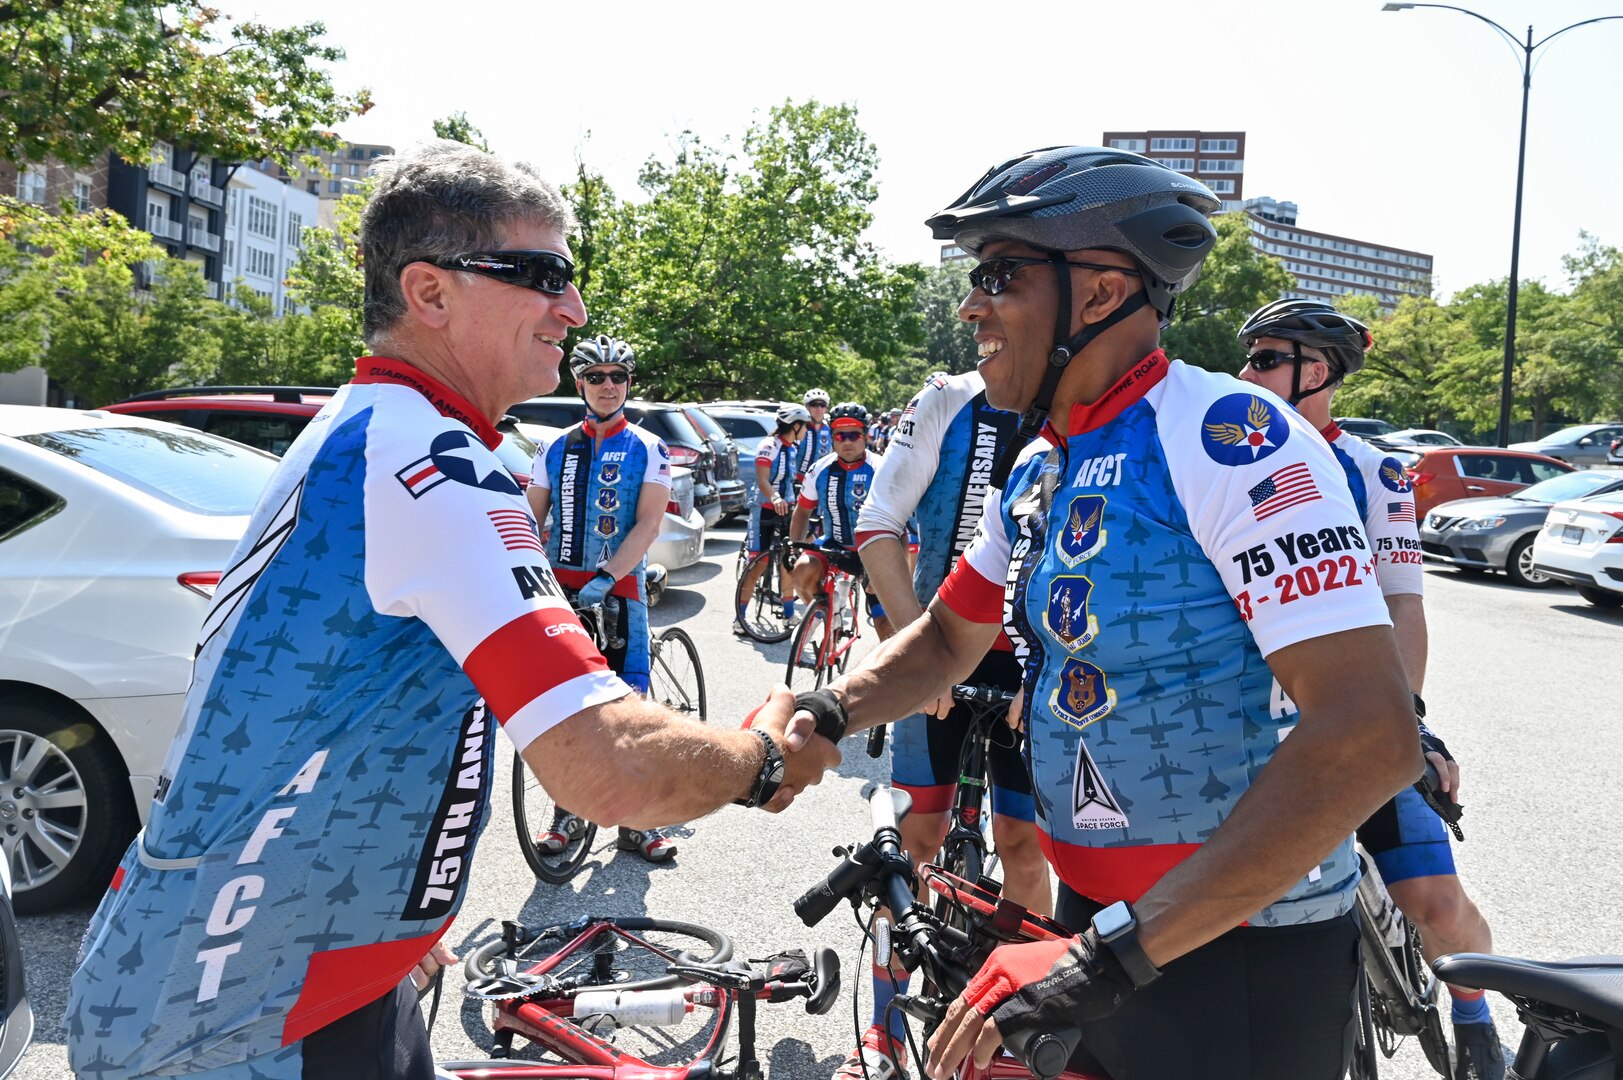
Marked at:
<point>852,873</point>
<point>1045,1053</point>
<point>876,741</point>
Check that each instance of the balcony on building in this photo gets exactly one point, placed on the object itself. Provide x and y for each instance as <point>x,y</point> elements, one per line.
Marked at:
<point>204,191</point>
<point>202,238</point>
<point>164,176</point>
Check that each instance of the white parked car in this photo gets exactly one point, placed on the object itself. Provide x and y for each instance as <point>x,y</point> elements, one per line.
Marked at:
<point>113,533</point>
<point>1582,544</point>
<point>1419,437</point>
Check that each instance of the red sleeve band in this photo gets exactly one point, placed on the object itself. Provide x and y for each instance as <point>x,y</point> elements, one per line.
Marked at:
<point>970,595</point>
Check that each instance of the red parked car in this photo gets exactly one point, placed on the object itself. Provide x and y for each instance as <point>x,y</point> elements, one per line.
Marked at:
<point>1443,473</point>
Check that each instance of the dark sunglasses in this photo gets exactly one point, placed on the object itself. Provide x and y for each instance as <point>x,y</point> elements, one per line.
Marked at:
<point>618,378</point>
<point>994,275</point>
<point>543,271</point>
<point>848,436</point>
<point>1268,359</point>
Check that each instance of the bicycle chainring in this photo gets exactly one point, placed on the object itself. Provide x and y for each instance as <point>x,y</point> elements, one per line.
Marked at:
<point>509,985</point>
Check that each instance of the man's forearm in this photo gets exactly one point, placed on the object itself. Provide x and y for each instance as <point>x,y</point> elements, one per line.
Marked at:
<point>885,559</point>
<point>1354,746</point>
<point>914,666</point>
<point>629,762</point>
<point>1408,611</point>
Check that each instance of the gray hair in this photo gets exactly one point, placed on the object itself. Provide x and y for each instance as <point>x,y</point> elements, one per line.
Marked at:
<point>442,198</point>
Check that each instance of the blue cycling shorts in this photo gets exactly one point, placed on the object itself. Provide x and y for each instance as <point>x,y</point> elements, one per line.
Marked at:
<point>1407,839</point>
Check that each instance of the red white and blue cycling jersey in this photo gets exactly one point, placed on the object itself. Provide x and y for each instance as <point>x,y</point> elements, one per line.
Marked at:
<point>817,442</point>
<point>1145,563</point>
<point>836,490</point>
<point>319,807</point>
<point>1385,500</point>
<point>779,457</point>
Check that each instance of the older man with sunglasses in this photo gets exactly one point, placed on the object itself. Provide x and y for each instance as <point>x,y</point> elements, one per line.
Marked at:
<point>390,593</point>
<point>1303,350</point>
<point>600,491</point>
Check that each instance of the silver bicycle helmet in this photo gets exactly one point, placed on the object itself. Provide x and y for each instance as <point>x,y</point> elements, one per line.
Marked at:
<point>599,352</point>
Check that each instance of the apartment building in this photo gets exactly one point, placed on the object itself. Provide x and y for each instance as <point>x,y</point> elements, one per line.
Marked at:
<point>265,221</point>
<point>1215,158</point>
<point>339,173</point>
<point>1327,267</point>
<point>179,197</point>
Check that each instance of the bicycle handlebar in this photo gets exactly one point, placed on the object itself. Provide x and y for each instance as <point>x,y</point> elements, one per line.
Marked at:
<point>881,869</point>
<point>989,696</point>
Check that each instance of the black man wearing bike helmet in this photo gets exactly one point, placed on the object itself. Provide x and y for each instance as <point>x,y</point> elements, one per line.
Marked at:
<point>1163,549</point>
<point>600,491</point>
<point>1302,350</point>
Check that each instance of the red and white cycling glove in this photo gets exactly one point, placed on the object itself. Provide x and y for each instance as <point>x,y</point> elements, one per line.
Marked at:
<point>1044,985</point>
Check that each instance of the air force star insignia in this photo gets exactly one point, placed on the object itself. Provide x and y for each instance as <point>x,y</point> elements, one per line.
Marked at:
<point>1242,428</point>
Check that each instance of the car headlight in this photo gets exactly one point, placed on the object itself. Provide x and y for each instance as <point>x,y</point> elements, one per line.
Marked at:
<point>1478,524</point>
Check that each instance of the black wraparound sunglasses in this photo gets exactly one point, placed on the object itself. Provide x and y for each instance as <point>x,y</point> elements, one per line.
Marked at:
<point>1268,359</point>
<point>543,271</point>
<point>994,275</point>
<point>618,378</point>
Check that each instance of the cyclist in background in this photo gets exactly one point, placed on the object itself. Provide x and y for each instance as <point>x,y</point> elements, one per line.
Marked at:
<point>775,481</point>
<point>1303,350</point>
<point>1160,554</point>
<point>935,478</point>
<point>835,488</point>
<point>817,442</point>
<point>599,492</point>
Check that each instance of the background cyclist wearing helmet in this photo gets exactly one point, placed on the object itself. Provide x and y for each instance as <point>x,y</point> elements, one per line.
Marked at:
<point>600,491</point>
<point>835,489</point>
<point>1153,550</point>
<point>818,442</point>
<point>1302,350</point>
<point>775,480</point>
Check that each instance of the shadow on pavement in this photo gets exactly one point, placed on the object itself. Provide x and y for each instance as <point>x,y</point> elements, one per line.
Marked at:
<point>692,575</point>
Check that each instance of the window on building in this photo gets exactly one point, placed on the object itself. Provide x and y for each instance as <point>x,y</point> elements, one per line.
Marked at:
<point>1182,164</point>
<point>1219,146</point>
<point>356,153</point>
<point>157,217</point>
<point>230,254</point>
<point>259,262</point>
<point>162,153</point>
<point>261,218</point>
<point>313,186</point>
<point>1221,165</point>
<point>81,192</point>
<point>31,184</point>
<point>354,170</point>
<point>1134,145</point>
<point>1221,187</point>
<point>1172,144</point>
<point>334,187</point>
<point>377,153</point>
<point>295,230</point>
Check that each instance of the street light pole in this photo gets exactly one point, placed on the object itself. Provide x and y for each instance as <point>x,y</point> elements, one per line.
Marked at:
<point>1527,51</point>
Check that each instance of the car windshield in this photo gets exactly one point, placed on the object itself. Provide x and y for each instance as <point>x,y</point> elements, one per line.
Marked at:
<point>186,469</point>
<point>705,422</point>
<point>1561,488</point>
<point>681,431</point>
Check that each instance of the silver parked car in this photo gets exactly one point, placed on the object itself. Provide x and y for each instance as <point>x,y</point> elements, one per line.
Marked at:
<point>1496,533</point>
<point>1582,444</point>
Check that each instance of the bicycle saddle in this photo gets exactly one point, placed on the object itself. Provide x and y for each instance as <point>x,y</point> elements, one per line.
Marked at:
<point>1590,985</point>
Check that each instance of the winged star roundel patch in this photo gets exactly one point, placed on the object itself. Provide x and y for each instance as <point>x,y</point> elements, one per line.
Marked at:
<point>1393,478</point>
<point>1242,428</point>
<point>463,458</point>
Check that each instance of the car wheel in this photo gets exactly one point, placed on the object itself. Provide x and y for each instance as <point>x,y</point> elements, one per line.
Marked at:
<point>66,812</point>
<point>1519,566</point>
<point>1601,597</point>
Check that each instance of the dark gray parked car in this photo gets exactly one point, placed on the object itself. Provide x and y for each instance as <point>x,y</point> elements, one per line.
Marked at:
<point>1496,533</point>
<point>1583,444</point>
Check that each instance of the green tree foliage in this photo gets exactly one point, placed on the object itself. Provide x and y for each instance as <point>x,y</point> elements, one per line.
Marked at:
<point>949,342</point>
<point>327,278</point>
<point>749,276</point>
<point>459,128</point>
<point>110,341</point>
<point>86,76</point>
<point>46,259</point>
<point>1236,280</point>
<point>1407,377</point>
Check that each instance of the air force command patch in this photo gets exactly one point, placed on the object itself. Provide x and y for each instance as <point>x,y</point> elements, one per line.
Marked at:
<point>1082,534</point>
<point>1082,696</point>
<point>1242,428</point>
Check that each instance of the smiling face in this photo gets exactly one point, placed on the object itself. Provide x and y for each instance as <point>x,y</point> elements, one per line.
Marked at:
<point>507,337</point>
<point>606,397</point>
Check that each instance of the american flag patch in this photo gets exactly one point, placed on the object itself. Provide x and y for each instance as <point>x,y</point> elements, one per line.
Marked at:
<point>1400,511</point>
<point>516,529</point>
<point>1287,487</point>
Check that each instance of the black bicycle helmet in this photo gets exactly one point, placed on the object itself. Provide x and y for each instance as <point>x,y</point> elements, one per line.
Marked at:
<point>1341,338</point>
<point>849,410</point>
<point>601,351</point>
<point>1070,198</point>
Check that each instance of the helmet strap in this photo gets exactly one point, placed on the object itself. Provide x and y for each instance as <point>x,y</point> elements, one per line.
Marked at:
<point>600,421</point>
<point>1032,420</point>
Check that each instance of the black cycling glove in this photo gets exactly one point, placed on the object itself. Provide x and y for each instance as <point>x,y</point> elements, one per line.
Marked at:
<point>1428,785</point>
<point>827,710</point>
<point>1048,985</point>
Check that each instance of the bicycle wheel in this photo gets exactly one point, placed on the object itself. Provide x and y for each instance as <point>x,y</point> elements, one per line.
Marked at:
<point>533,814</point>
<point>809,654</point>
<point>762,608</point>
<point>675,676</point>
<point>1365,1060</point>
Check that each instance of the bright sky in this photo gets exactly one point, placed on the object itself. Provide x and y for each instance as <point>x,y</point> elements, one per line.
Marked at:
<point>1393,127</point>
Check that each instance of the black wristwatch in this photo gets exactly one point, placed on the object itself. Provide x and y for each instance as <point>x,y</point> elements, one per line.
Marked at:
<point>1117,927</point>
<point>770,778</point>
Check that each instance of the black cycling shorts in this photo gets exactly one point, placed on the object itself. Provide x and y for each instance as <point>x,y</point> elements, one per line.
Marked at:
<point>924,751</point>
<point>386,1040</point>
<point>765,525</point>
<point>1258,1003</point>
